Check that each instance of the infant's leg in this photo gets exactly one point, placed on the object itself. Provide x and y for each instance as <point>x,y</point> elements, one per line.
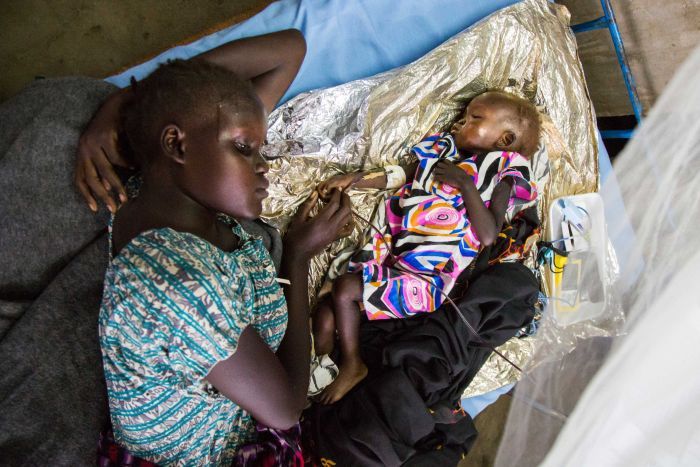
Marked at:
<point>324,327</point>
<point>347,294</point>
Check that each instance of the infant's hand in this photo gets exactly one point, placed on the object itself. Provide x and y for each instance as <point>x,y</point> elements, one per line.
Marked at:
<point>341,182</point>
<point>447,172</point>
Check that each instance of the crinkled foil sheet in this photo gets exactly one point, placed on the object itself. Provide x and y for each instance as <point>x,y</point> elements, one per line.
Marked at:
<point>527,49</point>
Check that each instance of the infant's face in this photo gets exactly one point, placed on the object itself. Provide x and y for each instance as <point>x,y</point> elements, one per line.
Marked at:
<point>482,125</point>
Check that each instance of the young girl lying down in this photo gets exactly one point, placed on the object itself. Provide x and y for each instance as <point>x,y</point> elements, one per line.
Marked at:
<point>455,201</point>
<point>202,350</point>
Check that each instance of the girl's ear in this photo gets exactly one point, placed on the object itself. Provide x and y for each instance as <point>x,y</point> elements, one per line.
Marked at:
<point>506,139</point>
<point>172,143</point>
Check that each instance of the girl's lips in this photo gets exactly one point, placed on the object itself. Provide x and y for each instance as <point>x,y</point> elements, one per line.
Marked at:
<point>264,185</point>
<point>262,189</point>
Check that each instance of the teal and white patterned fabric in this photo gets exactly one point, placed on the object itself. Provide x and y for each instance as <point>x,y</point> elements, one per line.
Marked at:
<point>173,306</point>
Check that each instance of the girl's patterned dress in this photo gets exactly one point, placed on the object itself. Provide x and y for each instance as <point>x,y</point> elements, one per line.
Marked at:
<point>173,306</point>
<point>426,231</point>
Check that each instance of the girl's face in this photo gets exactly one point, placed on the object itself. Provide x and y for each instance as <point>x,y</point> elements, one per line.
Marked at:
<point>481,126</point>
<point>223,168</point>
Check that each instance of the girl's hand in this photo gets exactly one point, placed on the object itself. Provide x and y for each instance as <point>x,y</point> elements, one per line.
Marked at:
<point>307,236</point>
<point>98,154</point>
<point>338,182</point>
<point>447,172</point>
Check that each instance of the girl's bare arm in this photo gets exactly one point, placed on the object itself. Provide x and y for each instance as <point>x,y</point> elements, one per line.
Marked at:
<point>270,61</point>
<point>273,386</point>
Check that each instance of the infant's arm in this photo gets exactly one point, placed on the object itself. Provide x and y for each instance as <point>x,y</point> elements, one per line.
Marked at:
<point>373,178</point>
<point>499,201</point>
<point>487,222</point>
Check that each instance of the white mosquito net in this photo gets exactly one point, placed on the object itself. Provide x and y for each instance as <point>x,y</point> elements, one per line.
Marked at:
<point>621,386</point>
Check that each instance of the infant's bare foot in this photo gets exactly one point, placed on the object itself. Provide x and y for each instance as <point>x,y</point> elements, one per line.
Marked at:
<point>350,374</point>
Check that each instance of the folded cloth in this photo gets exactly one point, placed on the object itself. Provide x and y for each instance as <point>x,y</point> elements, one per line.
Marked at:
<point>54,252</point>
<point>406,412</point>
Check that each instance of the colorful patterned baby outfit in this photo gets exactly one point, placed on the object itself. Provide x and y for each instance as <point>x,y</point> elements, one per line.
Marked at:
<point>427,231</point>
<point>174,305</point>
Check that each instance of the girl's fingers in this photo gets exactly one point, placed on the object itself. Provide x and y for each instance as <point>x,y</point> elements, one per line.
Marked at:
<point>93,181</point>
<point>342,222</point>
<point>108,175</point>
<point>306,207</point>
<point>343,216</point>
<point>331,206</point>
<point>345,208</point>
<point>84,190</point>
<point>346,230</point>
<point>109,148</point>
<point>334,201</point>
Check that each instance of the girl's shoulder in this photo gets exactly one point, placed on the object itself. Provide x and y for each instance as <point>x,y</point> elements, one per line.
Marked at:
<point>167,255</point>
<point>165,240</point>
<point>164,271</point>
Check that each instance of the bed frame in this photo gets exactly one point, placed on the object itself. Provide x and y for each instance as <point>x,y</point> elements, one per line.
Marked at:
<point>608,21</point>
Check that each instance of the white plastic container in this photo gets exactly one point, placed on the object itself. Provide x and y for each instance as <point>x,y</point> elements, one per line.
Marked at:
<point>576,283</point>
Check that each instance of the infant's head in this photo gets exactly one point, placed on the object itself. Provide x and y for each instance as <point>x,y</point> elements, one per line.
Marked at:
<point>498,121</point>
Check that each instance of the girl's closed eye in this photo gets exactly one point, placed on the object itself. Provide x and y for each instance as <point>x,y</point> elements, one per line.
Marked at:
<point>243,148</point>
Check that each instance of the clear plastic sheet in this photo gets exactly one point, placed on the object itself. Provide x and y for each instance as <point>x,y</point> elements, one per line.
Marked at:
<point>527,49</point>
<point>622,388</point>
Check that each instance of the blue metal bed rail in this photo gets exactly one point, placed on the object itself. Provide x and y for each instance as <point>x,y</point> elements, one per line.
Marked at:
<point>608,21</point>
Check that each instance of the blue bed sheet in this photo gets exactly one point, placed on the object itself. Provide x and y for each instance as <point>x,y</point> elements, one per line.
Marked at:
<point>348,40</point>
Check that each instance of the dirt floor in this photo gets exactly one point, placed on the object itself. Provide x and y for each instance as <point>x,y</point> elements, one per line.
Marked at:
<point>42,38</point>
<point>98,37</point>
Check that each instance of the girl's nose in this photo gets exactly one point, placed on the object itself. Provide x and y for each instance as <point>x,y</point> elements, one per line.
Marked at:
<point>261,165</point>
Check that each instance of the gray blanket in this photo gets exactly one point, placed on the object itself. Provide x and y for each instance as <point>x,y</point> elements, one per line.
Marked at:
<point>53,255</point>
